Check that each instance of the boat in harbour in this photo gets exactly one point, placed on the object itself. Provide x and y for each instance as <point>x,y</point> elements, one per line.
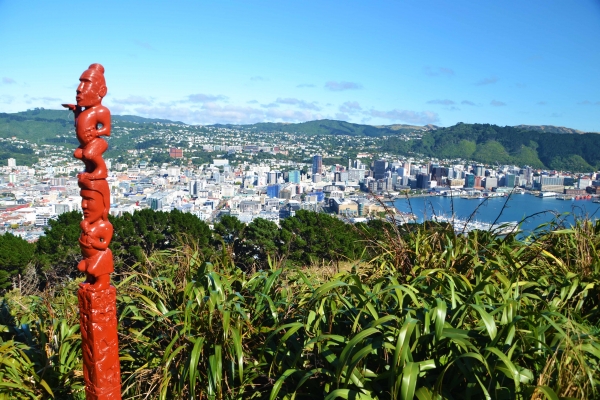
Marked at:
<point>565,197</point>
<point>462,226</point>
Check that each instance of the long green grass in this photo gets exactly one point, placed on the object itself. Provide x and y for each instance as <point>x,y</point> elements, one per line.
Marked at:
<point>432,316</point>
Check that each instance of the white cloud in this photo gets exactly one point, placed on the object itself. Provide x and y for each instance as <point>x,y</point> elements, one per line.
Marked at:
<point>117,109</point>
<point>467,103</point>
<point>429,71</point>
<point>299,103</point>
<point>305,85</point>
<point>497,103</point>
<point>37,100</point>
<point>8,81</point>
<point>350,107</point>
<point>144,45</point>
<point>203,98</point>
<point>413,117</point>
<point>292,115</point>
<point>487,81</point>
<point>342,85</point>
<point>6,99</point>
<point>214,113</point>
<point>444,102</point>
<point>132,100</point>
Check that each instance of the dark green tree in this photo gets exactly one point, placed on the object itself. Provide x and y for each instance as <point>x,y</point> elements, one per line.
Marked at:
<point>15,254</point>
<point>57,252</point>
<point>260,241</point>
<point>310,237</point>
<point>229,228</point>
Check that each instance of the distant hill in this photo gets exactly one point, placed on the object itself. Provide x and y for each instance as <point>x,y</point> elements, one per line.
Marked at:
<point>542,146</point>
<point>42,114</point>
<point>397,127</point>
<point>513,145</point>
<point>142,120</point>
<point>550,129</point>
<point>325,127</point>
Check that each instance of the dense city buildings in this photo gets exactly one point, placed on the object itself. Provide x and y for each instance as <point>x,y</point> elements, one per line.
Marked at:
<point>214,171</point>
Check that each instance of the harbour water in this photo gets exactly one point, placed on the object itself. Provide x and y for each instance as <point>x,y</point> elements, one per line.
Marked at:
<point>530,211</point>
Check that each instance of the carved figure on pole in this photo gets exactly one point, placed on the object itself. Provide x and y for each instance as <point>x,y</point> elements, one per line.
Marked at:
<point>97,298</point>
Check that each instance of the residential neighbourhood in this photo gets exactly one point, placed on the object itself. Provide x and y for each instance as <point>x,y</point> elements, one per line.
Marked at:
<point>252,175</point>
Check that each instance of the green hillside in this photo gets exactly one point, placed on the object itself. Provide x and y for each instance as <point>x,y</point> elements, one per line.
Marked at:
<point>490,144</point>
<point>326,127</point>
<point>539,147</point>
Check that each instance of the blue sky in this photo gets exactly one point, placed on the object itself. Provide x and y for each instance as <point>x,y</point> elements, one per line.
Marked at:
<point>374,62</point>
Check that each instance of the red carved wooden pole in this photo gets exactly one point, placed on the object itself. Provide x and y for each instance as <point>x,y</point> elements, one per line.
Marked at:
<point>97,298</point>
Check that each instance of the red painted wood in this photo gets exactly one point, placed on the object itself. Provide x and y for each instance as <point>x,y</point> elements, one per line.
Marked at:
<point>97,298</point>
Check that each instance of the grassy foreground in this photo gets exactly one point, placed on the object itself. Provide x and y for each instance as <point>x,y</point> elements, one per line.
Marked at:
<point>433,316</point>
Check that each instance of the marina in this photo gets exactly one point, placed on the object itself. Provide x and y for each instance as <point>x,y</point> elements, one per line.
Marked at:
<point>529,211</point>
<point>464,226</point>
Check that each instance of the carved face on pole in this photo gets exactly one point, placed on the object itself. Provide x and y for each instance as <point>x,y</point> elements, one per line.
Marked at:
<point>92,204</point>
<point>92,86</point>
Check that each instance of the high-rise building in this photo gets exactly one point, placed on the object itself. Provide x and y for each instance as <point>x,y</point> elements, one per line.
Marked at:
<point>379,169</point>
<point>272,177</point>
<point>423,181</point>
<point>438,173</point>
<point>510,180</point>
<point>294,176</point>
<point>273,191</point>
<point>317,167</point>
<point>356,174</point>
<point>469,180</point>
<point>478,170</point>
<point>12,162</point>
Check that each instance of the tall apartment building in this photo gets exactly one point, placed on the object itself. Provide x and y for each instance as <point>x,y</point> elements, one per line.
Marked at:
<point>317,166</point>
<point>379,168</point>
<point>294,176</point>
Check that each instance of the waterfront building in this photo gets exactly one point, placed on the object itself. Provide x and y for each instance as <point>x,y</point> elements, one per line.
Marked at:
<point>583,182</point>
<point>510,180</point>
<point>490,183</point>
<point>343,207</point>
<point>478,170</point>
<point>423,181</point>
<point>379,167</point>
<point>438,173</point>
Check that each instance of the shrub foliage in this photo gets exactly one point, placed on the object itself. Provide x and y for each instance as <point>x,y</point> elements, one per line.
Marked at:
<point>419,313</point>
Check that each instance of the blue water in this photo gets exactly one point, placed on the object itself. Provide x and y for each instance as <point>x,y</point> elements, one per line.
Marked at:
<point>532,211</point>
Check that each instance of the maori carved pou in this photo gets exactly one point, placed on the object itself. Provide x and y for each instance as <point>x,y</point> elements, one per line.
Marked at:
<point>97,298</point>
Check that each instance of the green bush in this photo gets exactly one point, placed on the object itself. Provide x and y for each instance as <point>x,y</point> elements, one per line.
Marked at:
<point>431,316</point>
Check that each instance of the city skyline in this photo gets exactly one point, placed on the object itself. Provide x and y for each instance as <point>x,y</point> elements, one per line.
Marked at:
<point>391,62</point>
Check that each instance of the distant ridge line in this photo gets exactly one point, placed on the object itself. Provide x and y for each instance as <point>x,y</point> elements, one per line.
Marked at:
<point>335,126</point>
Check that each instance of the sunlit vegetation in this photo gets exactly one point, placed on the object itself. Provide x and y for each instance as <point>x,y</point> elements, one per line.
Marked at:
<point>419,313</point>
<point>148,139</point>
